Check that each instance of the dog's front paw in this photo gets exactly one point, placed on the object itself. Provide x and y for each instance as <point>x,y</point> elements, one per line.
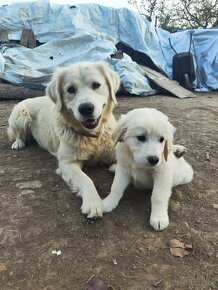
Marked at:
<point>92,208</point>
<point>159,222</point>
<point>109,204</point>
<point>18,144</point>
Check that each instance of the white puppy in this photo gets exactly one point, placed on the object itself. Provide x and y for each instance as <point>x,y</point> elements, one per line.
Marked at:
<point>145,158</point>
<point>74,122</point>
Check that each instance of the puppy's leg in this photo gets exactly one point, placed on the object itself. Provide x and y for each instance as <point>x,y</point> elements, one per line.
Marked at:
<point>120,183</point>
<point>19,126</point>
<point>160,198</point>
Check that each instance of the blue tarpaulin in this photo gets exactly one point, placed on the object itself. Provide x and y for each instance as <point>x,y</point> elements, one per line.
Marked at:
<point>90,32</point>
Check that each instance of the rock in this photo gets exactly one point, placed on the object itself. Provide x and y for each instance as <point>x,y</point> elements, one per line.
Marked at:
<point>29,184</point>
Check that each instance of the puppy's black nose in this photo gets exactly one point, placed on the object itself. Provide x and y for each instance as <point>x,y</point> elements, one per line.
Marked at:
<point>153,160</point>
<point>86,109</point>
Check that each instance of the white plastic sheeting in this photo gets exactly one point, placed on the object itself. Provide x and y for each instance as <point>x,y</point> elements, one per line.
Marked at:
<point>90,32</point>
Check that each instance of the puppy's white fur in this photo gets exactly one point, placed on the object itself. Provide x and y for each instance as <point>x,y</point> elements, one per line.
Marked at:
<point>144,133</point>
<point>56,123</point>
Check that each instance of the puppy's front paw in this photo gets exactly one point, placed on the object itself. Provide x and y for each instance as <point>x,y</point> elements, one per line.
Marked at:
<point>109,204</point>
<point>179,150</point>
<point>159,222</point>
<point>92,208</point>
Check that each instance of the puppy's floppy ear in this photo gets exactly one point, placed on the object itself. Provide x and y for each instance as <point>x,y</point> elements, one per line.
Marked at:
<point>169,140</point>
<point>54,89</point>
<point>112,79</point>
<point>120,130</point>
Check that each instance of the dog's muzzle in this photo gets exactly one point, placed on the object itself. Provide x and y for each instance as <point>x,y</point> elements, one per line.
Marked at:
<point>86,110</point>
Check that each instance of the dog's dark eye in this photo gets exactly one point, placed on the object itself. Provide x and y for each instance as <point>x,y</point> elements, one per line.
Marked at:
<point>161,139</point>
<point>141,138</point>
<point>95,85</point>
<point>71,90</point>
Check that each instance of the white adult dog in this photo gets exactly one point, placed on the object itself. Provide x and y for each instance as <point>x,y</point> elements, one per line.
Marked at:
<point>145,156</point>
<point>74,122</point>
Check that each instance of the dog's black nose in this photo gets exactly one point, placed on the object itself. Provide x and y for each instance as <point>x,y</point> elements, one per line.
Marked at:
<point>153,160</point>
<point>86,109</point>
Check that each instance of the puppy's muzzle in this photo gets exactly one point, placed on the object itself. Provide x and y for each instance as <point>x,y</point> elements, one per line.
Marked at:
<point>153,160</point>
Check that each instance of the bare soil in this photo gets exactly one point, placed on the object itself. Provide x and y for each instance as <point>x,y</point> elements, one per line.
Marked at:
<point>39,214</point>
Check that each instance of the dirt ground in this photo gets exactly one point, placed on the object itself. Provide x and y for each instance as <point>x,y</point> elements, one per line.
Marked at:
<point>39,214</point>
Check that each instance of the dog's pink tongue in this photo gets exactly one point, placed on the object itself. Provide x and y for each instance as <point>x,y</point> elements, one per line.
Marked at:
<point>91,121</point>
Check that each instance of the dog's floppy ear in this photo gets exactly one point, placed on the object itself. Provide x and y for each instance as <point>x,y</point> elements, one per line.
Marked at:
<point>169,140</point>
<point>54,89</point>
<point>112,79</point>
<point>120,130</point>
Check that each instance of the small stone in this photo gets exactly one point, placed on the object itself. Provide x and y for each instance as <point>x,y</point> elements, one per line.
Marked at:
<point>58,253</point>
<point>115,262</point>
<point>25,192</point>
<point>215,205</point>
<point>29,184</point>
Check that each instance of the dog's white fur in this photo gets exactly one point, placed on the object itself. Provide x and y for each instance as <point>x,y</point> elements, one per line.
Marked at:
<point>133,165</point>
<point>56,123</point>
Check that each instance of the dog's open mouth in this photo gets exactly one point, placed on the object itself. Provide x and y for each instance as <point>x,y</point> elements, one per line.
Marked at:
<point>91,123</point>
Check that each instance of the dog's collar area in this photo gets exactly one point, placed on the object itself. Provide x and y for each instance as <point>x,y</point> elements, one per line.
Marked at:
<point>85,133</point>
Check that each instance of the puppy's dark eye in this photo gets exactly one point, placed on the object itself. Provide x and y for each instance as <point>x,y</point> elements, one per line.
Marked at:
<point>161,139</point>
<point>71,90</point>
<point>141,138</point>
<point>95,85</point>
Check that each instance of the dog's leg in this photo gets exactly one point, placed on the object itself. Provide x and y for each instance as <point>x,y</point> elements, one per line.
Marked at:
<point>19,126</point>
<point>84,186</point>
<point>160,198</point>
<point>120,183</point>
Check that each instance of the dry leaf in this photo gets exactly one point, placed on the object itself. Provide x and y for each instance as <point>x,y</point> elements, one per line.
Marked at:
<point>2,268</point>
<point>174,243</point>
<point>179,252</point>
<point>178,248</point>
